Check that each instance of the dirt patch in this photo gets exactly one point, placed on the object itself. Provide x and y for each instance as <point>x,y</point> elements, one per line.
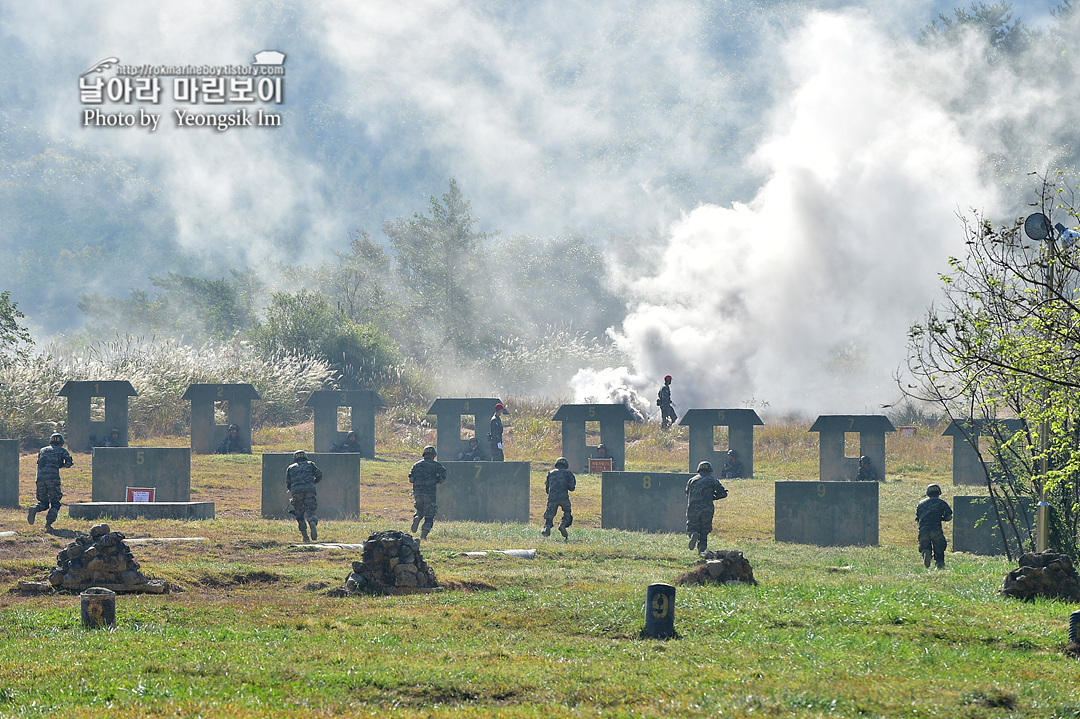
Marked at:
<point>253,576</point>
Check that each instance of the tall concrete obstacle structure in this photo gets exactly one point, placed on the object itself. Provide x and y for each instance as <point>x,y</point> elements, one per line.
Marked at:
<point>827,514</point>
<point>485,492</point>
<point>80,422</point>
<point>740,425</point>
<point>832,428</point>
<point>645,501</point>
<point>205,433</point>
<point>448,412</point>
<point>9,473</point>
<point>362,404</point>
<point>968,469</point>
<point>984,526</point>
<point>338,491</point>
<point>610,418</point>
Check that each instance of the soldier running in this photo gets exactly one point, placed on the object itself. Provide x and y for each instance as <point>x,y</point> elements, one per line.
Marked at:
<point>425,476</point>
<point>300,480</point>
<point>50,461</point>
<point>701,491</point>
<point>930,513</point>
<point>558,485</point>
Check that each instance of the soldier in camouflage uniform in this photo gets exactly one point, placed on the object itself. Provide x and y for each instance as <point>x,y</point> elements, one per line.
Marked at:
<point>50,461</point>
<point>930,513</point>
<point>702,489</point>
<point>113,440</point>
<point>732,467</point>
<point>866,472</point>
<point>473,453</point>
<point>233,443</point>
<point>351,444</point>
<point>300,479</point>
<point>425,475</point>
<point>663,401</point>
<point>495,433</point>
<point>558,485</point>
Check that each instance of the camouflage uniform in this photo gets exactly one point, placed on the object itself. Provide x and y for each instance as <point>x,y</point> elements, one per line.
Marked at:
<point>472,454</point>
<point>50,461</point>
<point>495,437</point>
<point>300,479</point>
<point>930,513</point>
<point>232,445</point>
<point>111,441</point>
<point>558,485</point>
<point>667,412</point>
<point>732,469</point>
<point>351,444</point>
<point>866,474</point>
<point>425,475</point>
<point>701,491</point>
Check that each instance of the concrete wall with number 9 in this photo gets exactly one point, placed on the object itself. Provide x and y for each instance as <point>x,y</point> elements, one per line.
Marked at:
<point>828,514</point>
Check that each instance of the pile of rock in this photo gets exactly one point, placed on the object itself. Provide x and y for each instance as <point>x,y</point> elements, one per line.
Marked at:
<point>1043,574</point>
<point>392,559</point>
<point>99,560</point>
<point>720,567</point>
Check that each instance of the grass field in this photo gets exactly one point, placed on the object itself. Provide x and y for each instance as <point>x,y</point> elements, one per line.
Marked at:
<point>252,630</point>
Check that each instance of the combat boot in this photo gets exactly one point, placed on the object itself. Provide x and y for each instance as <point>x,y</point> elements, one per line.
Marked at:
<point>562,531</point>
<point>314,531</point>
<point>703,544</point>
<point>693,540</point>
<point>303,532</point>
<point>415,524</point>
<point>545,532</point>
<point>31,514</point>
<point>941,564</point>
<point>49,523</point>
<point>926,557</point>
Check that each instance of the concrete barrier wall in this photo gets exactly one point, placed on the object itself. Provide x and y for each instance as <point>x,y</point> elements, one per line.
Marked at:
<point>485,492</point>
<point>645,501</point>
<point>975,525</point>
<point>338,491</point>
<point>114,469</point>
<point>144,510</point>
<point>827,514</point>
<point>9,473</point>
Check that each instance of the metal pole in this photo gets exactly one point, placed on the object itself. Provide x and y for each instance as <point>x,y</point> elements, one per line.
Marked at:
<point>1042,514</point>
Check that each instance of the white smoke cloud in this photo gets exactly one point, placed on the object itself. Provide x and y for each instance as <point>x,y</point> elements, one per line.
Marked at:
<point>801,298</point>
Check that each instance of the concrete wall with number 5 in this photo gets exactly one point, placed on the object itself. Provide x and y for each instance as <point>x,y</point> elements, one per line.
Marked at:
<point>114,469</point>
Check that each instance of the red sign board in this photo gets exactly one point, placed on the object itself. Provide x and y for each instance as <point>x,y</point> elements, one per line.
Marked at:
<point>599,465</point>
<point>141,494</point>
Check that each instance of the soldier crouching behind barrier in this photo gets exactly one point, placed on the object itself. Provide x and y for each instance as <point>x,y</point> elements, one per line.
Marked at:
<point>425,475</point>
<point>50,461</point>
<point>233,442</point>
<point>702,489</point>
<point>300,480</point>
<point>558,485</point>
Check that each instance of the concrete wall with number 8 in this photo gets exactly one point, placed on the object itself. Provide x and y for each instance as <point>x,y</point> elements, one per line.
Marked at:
<point>114,469</point>
<point>644,501</point>
<point>827,514</point>
<point>485,492</point>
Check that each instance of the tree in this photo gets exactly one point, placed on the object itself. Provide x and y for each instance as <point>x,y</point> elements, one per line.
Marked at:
<point>306,323</point>
<point>1005,343</point>
<point>993,23</point>
<point>14,338</point>
<point>436,258</point>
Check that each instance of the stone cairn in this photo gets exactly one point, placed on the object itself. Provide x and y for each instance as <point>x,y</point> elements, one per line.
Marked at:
<point>720,566</point>
<point>392,559</point>
<point>100,559</point>
<point>1043,574</point>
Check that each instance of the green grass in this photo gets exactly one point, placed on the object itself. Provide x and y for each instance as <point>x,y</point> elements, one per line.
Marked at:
<point>253,631</point>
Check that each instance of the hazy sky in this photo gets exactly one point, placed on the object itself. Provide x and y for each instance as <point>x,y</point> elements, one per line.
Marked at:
<point>799,165</point>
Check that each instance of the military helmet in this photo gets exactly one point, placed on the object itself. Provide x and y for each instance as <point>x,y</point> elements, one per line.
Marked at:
<point>57,439</point>
<point>430,450</point>
<point>704,467</point>
<point>933,490</point>
<point>864,460</point>
<point>473,440</point>
<point>562,463</point>
<point>299,454</point>
<point>732,453</point>
<point>234,426</point>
